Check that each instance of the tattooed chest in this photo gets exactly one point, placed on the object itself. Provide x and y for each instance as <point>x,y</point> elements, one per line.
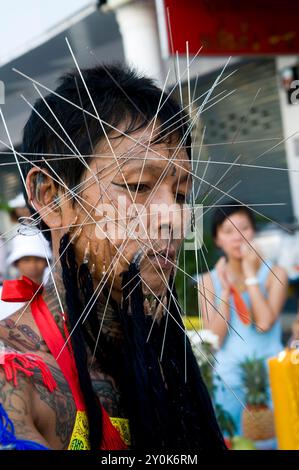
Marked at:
<point>109,394</point>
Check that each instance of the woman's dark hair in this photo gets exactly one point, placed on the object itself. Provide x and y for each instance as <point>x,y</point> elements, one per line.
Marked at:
<point>120,97</point>
<point>227,209</point>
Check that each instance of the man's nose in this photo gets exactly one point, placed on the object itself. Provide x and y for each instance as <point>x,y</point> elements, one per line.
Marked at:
<point>170,215</point>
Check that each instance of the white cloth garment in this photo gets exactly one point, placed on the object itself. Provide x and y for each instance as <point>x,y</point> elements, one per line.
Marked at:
<point>29,245</point>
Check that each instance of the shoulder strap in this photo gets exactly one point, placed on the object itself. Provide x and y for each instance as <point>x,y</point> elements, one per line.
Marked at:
<point>58,347</point>
<point>26,290</point>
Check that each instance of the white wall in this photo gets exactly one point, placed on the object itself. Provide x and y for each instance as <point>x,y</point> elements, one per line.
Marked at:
<point>290,122</point>
<point>25,23</point>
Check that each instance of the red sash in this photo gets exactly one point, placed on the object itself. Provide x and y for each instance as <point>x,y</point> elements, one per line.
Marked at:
<point>240,306</point>
<point>23,290</point>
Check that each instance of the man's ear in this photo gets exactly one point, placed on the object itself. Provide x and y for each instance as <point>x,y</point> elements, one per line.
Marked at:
<point>43,196</point>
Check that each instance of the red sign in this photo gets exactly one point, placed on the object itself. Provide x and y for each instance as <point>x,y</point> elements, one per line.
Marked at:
<point>233,27</point>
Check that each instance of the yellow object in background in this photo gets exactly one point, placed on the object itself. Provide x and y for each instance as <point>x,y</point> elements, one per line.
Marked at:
<point>284,383</point>
<point>192,322</point>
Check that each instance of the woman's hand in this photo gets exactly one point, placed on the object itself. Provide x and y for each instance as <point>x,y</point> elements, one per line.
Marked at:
<point>221,268</point>
<point>250,260</point>
<point>215,307</point>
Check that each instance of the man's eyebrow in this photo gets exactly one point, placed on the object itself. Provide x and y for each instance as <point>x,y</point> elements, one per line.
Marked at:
<point>146,162</point>
<point>139,158</point>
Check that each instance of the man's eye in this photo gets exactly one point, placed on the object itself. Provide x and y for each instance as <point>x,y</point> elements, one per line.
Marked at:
<point>141,188</point>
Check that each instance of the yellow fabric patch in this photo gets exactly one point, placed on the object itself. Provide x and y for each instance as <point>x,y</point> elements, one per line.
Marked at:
<point>79,439</point>
<point>122,425</point>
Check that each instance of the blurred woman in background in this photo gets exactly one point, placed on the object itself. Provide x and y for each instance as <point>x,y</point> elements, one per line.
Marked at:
<point>241,300</point>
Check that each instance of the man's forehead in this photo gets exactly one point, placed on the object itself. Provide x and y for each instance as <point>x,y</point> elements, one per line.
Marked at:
<point>143,140</point>
<point>135,155</point>
<point>178,164</point>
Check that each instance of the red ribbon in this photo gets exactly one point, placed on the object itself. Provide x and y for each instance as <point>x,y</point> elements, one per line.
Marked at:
<point>20,290</point>
<point>240,306</point>
<point>24,290</point>
<point>13,362</point>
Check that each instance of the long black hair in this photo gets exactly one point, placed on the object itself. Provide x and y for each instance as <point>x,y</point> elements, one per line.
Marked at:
<point>75,308</point>
<point>166,410</point>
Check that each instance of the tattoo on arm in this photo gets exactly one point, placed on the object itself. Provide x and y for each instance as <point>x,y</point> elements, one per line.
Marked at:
<point>60,402</point>
<point>17,403</point>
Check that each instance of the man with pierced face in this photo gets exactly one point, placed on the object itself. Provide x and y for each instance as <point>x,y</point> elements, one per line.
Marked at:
<point>99,356</point>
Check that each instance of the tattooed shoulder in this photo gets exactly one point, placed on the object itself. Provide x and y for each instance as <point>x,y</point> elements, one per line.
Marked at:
<point>17,402</point>
<point>20,332</point>
<point>37,413</point>
<point>54,413</point>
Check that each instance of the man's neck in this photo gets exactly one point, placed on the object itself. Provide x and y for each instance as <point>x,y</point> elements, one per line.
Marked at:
<point>108,319</point>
